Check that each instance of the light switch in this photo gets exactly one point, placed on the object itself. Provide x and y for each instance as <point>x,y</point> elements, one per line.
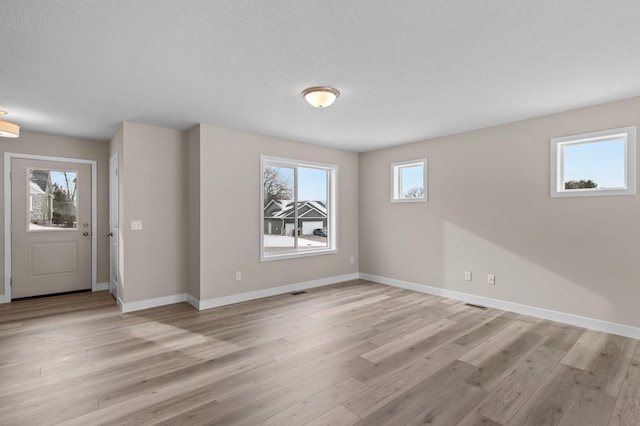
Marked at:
<point>136,225</point>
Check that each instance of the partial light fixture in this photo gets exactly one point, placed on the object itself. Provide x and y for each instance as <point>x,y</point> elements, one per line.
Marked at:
<point>8,130</point>
<point>320,96</point>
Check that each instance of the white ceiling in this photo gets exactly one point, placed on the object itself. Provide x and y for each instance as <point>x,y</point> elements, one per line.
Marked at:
<point>407,70</point>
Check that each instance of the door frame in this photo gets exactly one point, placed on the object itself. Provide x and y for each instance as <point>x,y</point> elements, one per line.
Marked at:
<point>8,156</point>
<point>114,186</point>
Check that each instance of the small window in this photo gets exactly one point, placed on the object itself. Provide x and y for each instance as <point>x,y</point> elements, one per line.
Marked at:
<point>409,181</point>
<point>298,209</point>
<point>53,201</point>
<point>592,164</point>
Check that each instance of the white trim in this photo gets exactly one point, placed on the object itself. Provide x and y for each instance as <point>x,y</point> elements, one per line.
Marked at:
<point>396,181</point>
<point>331,207</point>
<point>102,286</point>
<point>193,301</point>
<point>579,321</point>
<point>627,134</point>
<point>3,299</point>
<point>126,307</point>
<point>114,229</point>
<point>297,254</point>
<point>8,156</point>
<point>274,291</point>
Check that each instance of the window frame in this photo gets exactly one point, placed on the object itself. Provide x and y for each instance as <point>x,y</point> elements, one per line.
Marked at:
<point>396,180</point>
<point>627,134</point>
<point>332,208</point>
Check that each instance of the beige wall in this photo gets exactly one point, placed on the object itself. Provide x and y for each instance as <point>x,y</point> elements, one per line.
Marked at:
<point>193,215</point>
<point>489,212</point>
<point>153,190</point>
<point>230,221</point>
<point>57,146</point>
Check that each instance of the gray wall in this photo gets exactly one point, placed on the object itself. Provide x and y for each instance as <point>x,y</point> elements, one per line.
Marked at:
<point>153,189</point>
<point>57,146</point>
<point>230,214</point>
<point>193,205</point>
<point>490,212</point>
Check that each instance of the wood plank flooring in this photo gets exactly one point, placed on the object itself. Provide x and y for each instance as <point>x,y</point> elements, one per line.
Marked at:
<point>356,353</point>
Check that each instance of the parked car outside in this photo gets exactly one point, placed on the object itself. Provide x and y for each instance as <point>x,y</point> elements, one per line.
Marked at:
<point>320,231</point>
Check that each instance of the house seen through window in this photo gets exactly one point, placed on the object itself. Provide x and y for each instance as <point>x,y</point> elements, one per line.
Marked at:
<point>297,208</point>
<point>53,203</point>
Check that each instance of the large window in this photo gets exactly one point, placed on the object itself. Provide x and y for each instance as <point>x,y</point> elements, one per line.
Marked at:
<point>599,163</point>
<point>409,181</point>
<point>298,206</point>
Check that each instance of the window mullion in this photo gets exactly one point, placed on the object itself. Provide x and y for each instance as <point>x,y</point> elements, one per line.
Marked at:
<point>295,209</point>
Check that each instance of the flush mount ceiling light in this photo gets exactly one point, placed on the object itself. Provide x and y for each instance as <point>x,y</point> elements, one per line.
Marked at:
<point>8,130</point>
<point>320,97</point>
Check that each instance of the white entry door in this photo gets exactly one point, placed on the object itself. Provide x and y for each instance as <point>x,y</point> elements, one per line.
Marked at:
<point>114,235</point>
<point>50,227</point>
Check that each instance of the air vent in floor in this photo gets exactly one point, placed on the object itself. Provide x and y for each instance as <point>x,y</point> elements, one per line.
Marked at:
<point>476,306</point>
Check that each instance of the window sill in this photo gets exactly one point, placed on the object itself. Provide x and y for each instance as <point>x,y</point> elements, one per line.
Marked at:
<point>409,200</point>
<point>294,255</point>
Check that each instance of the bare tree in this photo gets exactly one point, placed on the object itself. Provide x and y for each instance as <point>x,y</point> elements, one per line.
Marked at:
<point>276,186</point>
<point>415,192</point>
<point>72,194</point>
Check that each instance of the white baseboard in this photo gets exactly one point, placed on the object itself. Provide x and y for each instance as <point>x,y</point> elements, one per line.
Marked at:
<point>193,301</point>
<point>102,286</point>
<point>259,294</point>
<point>579,321</point>
<point>3,299</point>
<point>151,303</point>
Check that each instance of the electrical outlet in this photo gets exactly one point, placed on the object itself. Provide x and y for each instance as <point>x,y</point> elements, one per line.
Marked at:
<point>491,279</point>
<point>238,276</point>
<point>136,225</point>
<point>467,275</point>
<point>352,259</point>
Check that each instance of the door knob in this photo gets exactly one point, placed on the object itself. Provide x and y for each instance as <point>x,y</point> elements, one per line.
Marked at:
<point>85,233</point>
<point>109,234</point>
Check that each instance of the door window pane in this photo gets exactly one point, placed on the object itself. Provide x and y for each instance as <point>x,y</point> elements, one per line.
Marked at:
<point>53,203</point>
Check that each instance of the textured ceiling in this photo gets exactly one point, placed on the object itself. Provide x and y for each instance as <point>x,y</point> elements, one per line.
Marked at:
<point>407,70</point>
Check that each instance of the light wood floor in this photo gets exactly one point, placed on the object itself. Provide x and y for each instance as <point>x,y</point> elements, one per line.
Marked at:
<point>354,353</point>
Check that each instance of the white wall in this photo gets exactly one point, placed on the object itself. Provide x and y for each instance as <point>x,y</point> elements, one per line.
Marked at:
<point>490,212</point>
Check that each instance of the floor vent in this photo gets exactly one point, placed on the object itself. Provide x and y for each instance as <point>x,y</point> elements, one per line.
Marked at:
<point>476,306</point>
<point>295,293</point>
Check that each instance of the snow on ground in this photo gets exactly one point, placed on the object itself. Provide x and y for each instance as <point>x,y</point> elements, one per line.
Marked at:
<point>286,241</point>
<point>35,227</point>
